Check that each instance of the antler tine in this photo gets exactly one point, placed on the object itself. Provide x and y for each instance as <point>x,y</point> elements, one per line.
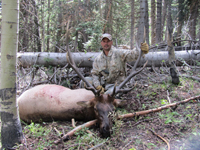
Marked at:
<point>133,70</point>
<point>132,74</point>
<point>73,65</point>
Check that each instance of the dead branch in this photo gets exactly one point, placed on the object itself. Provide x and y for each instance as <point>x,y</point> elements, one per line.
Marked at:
<point>97,146</point>
<point>192,77</point>
<point>161,138</point>
<point>78,128</point>
<point>156,109</point>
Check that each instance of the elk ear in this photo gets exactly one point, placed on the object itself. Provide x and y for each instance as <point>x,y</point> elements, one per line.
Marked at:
<point>119,103</point>
<point>86,104</point>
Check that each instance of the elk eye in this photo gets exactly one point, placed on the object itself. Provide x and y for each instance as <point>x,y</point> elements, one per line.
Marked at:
<point>101,117</point>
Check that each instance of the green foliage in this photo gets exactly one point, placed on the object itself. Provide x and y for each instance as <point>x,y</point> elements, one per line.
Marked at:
<point>170,117</point>
<point>151,145</point>
<point>36,130</point>
<point>164,102</point>
<point>94,29</point>
<point>132,148</point>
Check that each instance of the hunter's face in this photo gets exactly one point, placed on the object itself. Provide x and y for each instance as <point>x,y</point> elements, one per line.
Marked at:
<point>106,44</point>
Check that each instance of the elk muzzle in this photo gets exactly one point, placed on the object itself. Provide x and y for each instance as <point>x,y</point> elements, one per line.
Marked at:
<point>105,126</point>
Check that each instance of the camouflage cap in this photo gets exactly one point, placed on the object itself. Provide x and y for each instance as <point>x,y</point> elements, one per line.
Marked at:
<point>106,35</point>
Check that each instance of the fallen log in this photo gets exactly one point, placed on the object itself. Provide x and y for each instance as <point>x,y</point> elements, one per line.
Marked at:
<point>26,59</point>
<point>129,115</point>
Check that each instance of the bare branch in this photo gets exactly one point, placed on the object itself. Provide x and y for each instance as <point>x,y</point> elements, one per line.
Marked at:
<point>161,138</point>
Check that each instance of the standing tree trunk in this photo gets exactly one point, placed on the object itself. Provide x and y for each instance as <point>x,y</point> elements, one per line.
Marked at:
<point>108,17</point>
<point>43,26</point>
<point>36,30</point>
<point>181,16</point>
<point>141,23</point>
<point>48,22</point>
<point>22,33</point>
<point>173,71</point>
<point>153,22</point>
<point>58,36</point>
<point>158,21</point>
<point>11,131</point>
<point>194,5</point>
<point>164,12</point>
<point>132,23</point>
<point>147,21</point>
<point>100,10</point>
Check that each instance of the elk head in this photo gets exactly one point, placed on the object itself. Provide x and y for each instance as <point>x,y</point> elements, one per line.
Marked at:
<point>103,104</point>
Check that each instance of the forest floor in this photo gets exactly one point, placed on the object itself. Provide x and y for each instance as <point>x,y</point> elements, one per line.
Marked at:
<point>179,126</point>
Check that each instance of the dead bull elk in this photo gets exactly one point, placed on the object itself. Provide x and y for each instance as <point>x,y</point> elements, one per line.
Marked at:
<point>53,102</point>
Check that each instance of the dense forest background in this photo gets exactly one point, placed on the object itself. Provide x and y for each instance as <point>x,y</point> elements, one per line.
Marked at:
<point>54,25</point>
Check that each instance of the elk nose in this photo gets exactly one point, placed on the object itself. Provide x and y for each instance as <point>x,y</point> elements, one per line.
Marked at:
<point>106,131</point>
<point>106,128</point>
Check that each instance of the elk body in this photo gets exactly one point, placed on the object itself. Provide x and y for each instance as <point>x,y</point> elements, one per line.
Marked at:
<point>51,102</point>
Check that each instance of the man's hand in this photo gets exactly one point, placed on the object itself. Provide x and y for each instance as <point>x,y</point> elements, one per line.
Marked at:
<point>100,88</point>
<point>144,48</point>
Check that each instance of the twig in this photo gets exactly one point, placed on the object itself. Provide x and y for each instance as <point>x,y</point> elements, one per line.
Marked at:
<point>97,146</point>
<point>156,109</point>
<point>128,143</point>
<point>168,97</point>
<point>161,138</point>
<point>192,77</point>
<point>73,123</point>
<point>57,131</point>
<point>142,121</point>
<point>78,145</point>
<point>184,62</point>
<point>78,128</point>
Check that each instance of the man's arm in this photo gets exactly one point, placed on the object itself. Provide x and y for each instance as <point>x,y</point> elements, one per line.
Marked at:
<point>132,55</point>
<point>95,74</point>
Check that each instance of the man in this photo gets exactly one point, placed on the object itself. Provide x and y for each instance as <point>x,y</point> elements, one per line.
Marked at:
<point>110,66</point>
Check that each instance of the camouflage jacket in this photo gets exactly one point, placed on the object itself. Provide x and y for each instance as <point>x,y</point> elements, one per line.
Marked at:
<point>112,68</point>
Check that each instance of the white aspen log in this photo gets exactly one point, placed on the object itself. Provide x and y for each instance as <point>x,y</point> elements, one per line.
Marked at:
<point>82,59</point>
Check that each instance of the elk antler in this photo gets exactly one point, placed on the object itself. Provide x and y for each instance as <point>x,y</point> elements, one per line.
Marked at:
<point>73,65</point>
<point>118,89</point>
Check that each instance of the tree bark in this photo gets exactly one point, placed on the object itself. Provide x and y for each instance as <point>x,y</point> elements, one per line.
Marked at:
<point>141,26</point>
<point>164,12</point>
<point>36,30</point>
<point>132,23</point>
<point>86,59</point>
<point>59,22</point>
<point>158,22</point>
<point>153,22</point>
<point>194,5</point>
<point>108,17</point>
<point>147,21</point>
<point>173,71</point>
<point>11,131</point>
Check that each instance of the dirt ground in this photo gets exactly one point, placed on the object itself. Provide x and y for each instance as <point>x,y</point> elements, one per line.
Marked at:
<point>177,127</point>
